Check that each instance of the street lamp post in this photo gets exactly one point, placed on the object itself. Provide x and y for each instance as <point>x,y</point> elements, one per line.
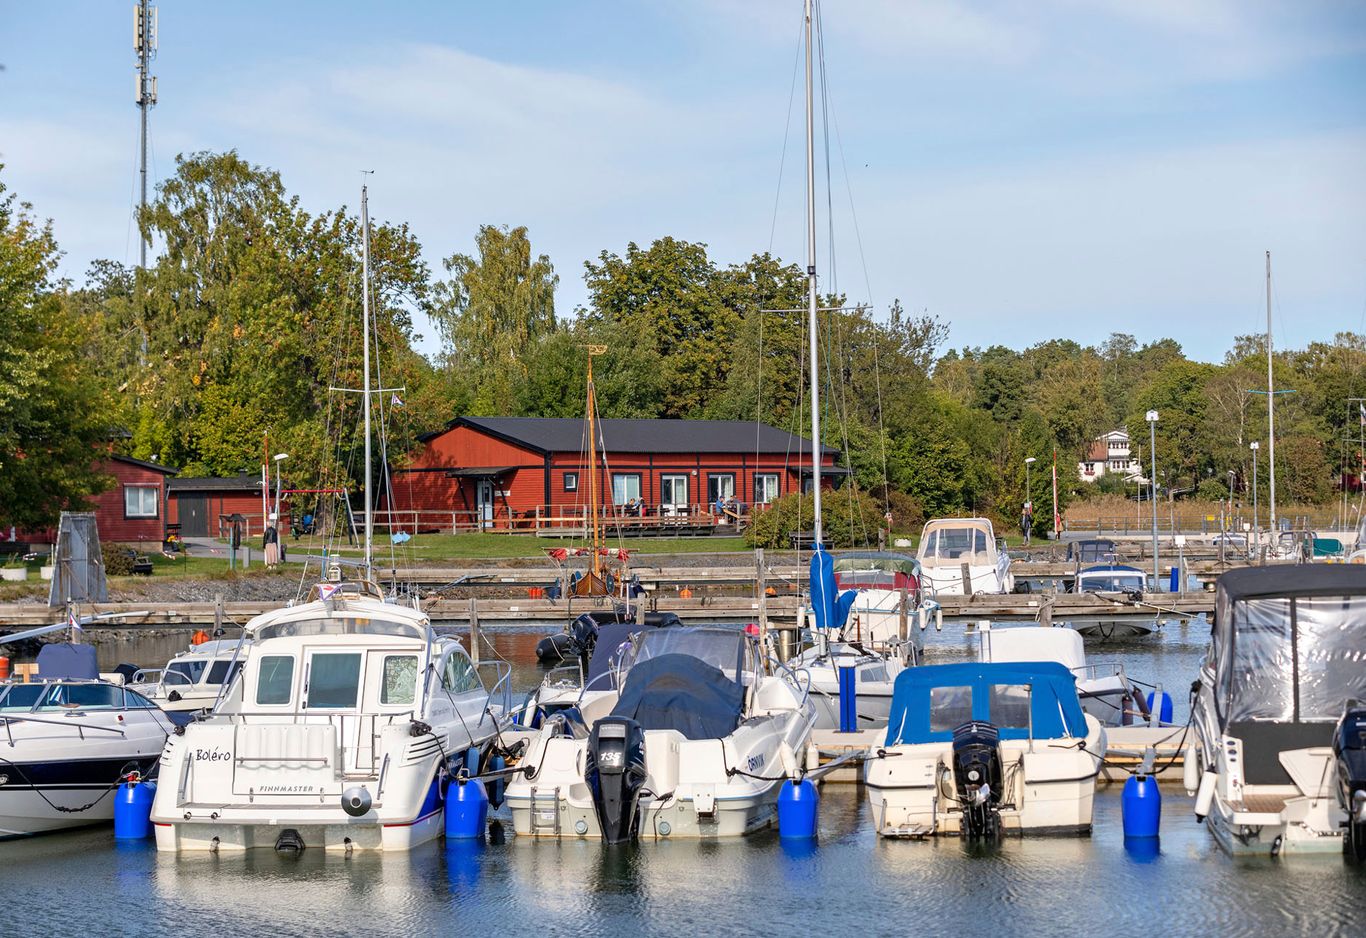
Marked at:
<point>279,478</point>
<point>1152,494</point>
<point>1256,529</point>
<point>1029,501</point>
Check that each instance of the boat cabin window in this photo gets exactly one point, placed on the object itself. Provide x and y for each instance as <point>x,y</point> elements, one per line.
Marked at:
<point>333,680</point>
<point>1008,705</point>
<point>218,674</point>
<point>188,672</point>
<point>20,697</point>
<point>274,680</point>
<point>83,697</point>
<point>458,676</point>
<point>950,707</point>
<point>399,684</point>
<point>956,543</point>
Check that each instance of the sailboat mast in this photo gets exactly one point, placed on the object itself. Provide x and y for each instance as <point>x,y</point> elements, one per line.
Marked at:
<point>596,565</point>
<point>1270,399</point>
<point>365,364</point>
<point>811,278</point>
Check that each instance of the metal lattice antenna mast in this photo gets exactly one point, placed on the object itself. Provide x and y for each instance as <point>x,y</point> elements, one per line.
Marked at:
<point>145,45</point>
<point>145,97</point>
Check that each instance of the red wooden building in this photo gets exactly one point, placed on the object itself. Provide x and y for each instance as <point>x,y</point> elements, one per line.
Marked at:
<point>134,510</point>
<point>532,472</point>
<point>202,506</point>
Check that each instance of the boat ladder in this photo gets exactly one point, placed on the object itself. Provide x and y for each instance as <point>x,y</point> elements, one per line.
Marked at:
<point>545,812</point>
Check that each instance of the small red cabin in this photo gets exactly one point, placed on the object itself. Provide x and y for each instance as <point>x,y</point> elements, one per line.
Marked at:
<point>532,472</point>
<point>205,506</point>
<point>134,510</point>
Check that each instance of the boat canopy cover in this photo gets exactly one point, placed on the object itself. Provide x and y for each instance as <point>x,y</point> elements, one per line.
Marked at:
<point>952,541</point>
<point>883,570</point>
<point>613,638</point>
<point>727,649</point>
<point>683,693</point>
<point>1289,643</point>
<point>1021,699</point>
<point>69,661</point>
<point>1110,578</point>
<point>1033,643</point>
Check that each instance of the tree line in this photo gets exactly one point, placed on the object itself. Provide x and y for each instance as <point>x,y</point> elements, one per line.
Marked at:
<point>249,320</point>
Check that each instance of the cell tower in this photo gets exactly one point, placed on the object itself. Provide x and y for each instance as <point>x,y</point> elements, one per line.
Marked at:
<point>145,45</point>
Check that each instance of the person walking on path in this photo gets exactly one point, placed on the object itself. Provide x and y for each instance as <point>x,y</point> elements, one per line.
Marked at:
<point>1027,521</point>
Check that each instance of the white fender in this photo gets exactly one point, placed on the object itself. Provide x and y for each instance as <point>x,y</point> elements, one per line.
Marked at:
<point>1204,796</point>
<point>1190,770</point>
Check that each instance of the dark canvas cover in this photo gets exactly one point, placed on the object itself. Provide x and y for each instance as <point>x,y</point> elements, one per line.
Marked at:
<point>683,693</point>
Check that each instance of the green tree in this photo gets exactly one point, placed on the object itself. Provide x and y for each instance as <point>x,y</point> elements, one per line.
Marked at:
<point>54,412</point>
<point>493,311</point>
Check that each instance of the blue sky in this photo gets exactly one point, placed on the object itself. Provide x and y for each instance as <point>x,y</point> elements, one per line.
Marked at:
<point>1057,168</point>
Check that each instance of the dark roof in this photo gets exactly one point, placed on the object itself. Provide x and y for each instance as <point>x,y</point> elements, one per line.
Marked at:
<point>154,466</point>
<point>1306,579</point>
<point>486,472</point>
<point>244,482</point>
<point>566,435</point>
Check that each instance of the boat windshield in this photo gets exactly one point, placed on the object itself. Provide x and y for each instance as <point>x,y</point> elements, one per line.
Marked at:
<point>1108,582</point>
<point>729,650</point>
<point>339,625</point>
<point>1294,658</point>
<point>968,543</point>
<point>20,698</point>
<point>876,571</point>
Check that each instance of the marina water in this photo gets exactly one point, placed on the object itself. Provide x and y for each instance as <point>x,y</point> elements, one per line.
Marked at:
<point>849,879</point>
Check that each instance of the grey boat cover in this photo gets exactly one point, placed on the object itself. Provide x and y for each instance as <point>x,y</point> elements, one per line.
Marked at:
<point>683,693</point>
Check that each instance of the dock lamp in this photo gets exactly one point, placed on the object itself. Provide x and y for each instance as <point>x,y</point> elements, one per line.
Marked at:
<point>1152,442</point>
<point>1256,531</point>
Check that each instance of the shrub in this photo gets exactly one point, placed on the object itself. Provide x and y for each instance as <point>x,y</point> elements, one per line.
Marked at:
<point>846,523</point>
<point>118,560</point>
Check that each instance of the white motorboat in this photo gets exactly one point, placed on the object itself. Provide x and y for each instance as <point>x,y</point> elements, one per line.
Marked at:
<point>694,740</point>
<point>887,585</point>
<point>984,749</point>
<point>1280,711</point>
<point>341,731</point>
<point>193,679</point>
<point>1105,690</point>
<point>961,556</point>
<point>67,740</point>
<point>1121,583</point>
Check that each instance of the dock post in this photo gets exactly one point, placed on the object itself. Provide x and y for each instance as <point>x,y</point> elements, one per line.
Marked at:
<point>902,614</point>
<point>966,572</point>
<point>640,610</point>
<point>217,614</point>
<point>474,631</point>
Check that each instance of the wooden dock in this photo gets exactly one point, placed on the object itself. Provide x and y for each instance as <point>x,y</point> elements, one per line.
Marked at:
<point>781,609</point>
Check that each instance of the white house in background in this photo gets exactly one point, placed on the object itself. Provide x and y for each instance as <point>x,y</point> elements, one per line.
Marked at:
<point>1109,454</point>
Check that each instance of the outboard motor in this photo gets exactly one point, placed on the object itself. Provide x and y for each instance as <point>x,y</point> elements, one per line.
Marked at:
<point>1349,754</point>
<point>977,777</point>
<point>614,770</point>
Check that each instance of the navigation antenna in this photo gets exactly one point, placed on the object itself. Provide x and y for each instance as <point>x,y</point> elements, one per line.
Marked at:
<point>145,97</point>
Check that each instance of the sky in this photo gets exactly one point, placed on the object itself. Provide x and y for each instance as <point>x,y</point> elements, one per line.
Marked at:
<point>1023,171</point>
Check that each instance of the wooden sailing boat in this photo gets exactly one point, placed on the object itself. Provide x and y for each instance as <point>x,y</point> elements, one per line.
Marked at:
<point>594,582</point>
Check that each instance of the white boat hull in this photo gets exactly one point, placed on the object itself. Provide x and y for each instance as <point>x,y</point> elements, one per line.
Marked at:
<point>1049,787</point>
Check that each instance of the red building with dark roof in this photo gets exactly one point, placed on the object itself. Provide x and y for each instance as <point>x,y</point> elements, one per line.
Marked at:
<point>134,510</point>
<point>532,472</point>
<point>202,506</point>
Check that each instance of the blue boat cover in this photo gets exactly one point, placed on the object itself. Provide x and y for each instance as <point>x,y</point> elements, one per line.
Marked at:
<point>929,701</point>
<point>683,693</point>
<point>67,660</point>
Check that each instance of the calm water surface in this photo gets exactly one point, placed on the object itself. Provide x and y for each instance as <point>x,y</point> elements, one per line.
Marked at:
<point>1076,886</point>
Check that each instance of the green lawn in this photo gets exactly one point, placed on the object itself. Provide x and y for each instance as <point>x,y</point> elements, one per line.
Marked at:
<point>429,548</point>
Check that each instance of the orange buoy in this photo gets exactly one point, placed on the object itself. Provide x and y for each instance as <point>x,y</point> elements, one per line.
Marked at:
<point>4,668</point>
<point>685,593</point>
<point>535,592</point>
<point>199,637</point>
<point>771,591</point>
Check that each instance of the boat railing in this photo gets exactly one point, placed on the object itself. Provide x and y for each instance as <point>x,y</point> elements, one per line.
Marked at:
<point>502,683</point>
<point>799,679</point>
